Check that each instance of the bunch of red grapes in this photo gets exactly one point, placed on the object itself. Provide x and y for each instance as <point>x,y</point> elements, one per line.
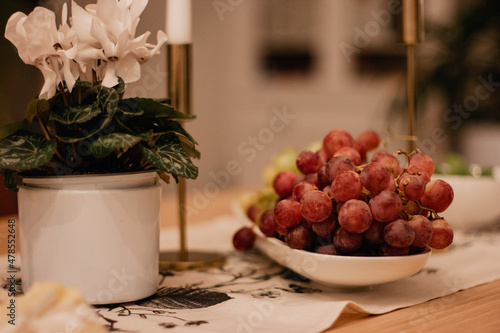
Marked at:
<point>342,204</point>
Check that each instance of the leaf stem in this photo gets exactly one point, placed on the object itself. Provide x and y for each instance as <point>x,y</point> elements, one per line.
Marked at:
<point>61,90</point>
<point>144,164</point>
<point>42,125</point>
<point>46,133</point>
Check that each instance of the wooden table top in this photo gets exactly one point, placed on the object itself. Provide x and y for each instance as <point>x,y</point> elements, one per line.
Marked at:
<point>473,310</point>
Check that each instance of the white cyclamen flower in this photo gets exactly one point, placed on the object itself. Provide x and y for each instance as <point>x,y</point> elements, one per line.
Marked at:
<point>107,44</point>
<point>41,44</point>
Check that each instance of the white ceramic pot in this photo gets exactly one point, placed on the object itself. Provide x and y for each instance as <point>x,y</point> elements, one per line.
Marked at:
<point>96,233</point>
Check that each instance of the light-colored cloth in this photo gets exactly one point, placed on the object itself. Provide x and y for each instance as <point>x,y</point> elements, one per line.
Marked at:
<point>251,293</point>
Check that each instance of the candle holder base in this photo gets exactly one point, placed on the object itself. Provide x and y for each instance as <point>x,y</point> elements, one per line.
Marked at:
<point>170,261</point>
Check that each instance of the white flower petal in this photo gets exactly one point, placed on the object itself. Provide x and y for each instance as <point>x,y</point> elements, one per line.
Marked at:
<point>41,22</point>
<point>68,75</point>
<point>92,8</point>
<point>64,14</point>
<point>41,32</point>
<point>82,21</point>
<point>85,54</point>
<point>140,41</point>
<point>129,69</point>
<point>50,86</point>
<point>99,39</point>
<point>123,45</point>
<point>16,34</point>
<point>108,12</point>
<point>143,54</point>
<point>99,33</point>
<point>110,79</point>
<point>137,7</point>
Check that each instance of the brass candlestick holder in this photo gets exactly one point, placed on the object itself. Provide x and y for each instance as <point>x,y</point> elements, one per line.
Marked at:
<point>179,91</point>
<point>411,33</point>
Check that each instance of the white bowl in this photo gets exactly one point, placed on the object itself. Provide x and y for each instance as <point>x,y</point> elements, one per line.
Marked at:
<point>337,270</point>
<point>475,203</point>
<point>342,271</point>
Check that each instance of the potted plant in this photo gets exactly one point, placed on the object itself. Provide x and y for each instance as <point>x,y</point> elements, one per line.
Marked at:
<point>86,160</point>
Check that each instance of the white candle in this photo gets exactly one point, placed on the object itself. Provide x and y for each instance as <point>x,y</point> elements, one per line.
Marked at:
<point>178,22</point>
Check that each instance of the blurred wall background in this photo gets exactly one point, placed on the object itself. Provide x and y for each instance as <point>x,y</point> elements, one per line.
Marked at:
<point>269,74</point>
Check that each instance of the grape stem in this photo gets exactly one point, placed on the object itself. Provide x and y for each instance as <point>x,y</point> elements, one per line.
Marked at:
<point>401,152</point>
<point>432,211</point>
<point>405,169</point>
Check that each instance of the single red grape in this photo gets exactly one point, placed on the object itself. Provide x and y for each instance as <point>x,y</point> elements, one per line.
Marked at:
<point>302,188</point>
<point>287,213</point>
<point>351,153</point>
<point>335,140</point>
<point>375,177</point>
<point>325,229</point>
<point>399,233</point>
<point>412,186</point>
<point>315,206</point>
<point>369,139</point>
<point>438,195</point>
<point>442,236</point>
<point>266,223</point>
<point>424,162</point>
<point>338,164</point>
<point>389,161</point>
<point>423,230</point>
<point>346,186</point>
<point>347,242</point>
<point>284,182</point>
<point>375,233</point>
<point>300,238</point>
<point>244,239</point>
<point>385,206</point>
<point>355,216</point>
<point>308,162</point>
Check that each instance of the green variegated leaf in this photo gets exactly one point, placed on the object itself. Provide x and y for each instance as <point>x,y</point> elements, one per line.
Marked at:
<point>24,151</point>
<point>85,131</point>
<point>120,87</point>
<point>157,126</point>
<point>130,112</point>
<point>76,114</point>
<point>151,108</point>
<point>85,92</point>
<point>146,128</point>
<point>169,156</point>
<point>163,100</point>
<point>188,146</point>
<point>83,84</point>
<point>145,125</point>
<point>174,126</point>
<point>106,144</point>
<point>146,136</point>
<point>108,100</point>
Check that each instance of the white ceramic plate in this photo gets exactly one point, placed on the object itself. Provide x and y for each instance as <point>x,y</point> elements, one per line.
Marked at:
<point>342,271</point>
<point>336,270</point>
<point>475,203</point>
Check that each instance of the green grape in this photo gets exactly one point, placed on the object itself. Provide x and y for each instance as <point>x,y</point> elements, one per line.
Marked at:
<point>285,160</point>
